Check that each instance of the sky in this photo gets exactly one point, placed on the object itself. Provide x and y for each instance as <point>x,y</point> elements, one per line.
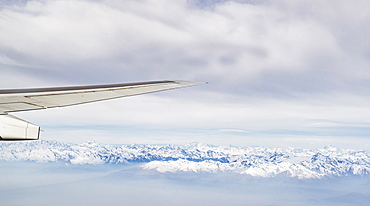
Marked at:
<point>280,73</point>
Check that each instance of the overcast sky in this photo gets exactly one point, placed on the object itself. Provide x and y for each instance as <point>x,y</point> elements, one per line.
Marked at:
<point>280,73</point>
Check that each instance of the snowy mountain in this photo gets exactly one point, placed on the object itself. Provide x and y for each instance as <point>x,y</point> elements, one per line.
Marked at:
<point>199,158</point>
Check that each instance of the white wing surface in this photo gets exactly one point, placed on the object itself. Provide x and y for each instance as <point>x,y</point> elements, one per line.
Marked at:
<point>42,98</point>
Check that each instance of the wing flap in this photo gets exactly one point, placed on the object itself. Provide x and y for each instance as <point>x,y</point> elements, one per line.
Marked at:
<point>19,106</point>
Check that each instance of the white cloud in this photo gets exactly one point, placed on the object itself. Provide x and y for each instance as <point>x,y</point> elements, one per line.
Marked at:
<point>233,40</point>
<point>272,66</point>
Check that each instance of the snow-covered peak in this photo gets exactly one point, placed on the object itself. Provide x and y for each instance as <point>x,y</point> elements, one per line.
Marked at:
<point>198,158</point>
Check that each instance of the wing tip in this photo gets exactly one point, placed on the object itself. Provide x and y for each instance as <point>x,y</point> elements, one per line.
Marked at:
<point>189,83</point>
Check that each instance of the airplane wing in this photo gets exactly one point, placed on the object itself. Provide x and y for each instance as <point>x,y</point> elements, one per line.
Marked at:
<point>13,100</point>
<point>41,98</point>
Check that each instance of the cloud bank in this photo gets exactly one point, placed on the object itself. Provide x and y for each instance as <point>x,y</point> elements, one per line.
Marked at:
<point>275,69</point>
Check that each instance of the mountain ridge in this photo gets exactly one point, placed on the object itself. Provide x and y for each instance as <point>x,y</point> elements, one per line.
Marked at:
<point>199,158</point>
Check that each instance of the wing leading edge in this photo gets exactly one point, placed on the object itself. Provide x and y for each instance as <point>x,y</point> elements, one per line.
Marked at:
<point>41,98</point>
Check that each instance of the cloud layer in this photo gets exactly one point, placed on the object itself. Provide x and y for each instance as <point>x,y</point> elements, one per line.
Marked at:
<point>274,68</point>
<point>42,184</point>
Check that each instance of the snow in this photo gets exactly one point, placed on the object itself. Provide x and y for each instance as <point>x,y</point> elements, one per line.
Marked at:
<point>199,158</point>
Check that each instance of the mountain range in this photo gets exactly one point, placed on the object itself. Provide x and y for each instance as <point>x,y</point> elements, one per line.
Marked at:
<point>199,158</point>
